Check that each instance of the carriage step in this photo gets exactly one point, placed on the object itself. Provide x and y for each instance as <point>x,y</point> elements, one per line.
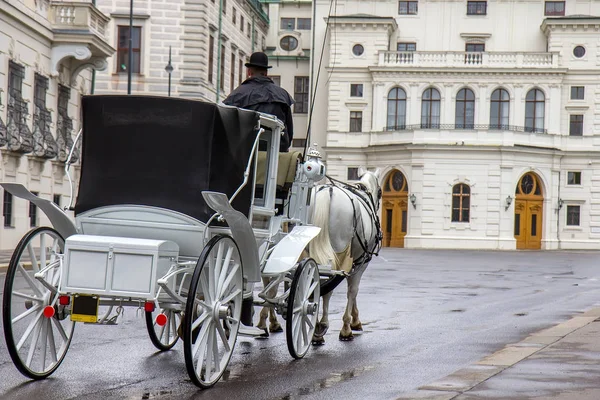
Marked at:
<point>252,331</point>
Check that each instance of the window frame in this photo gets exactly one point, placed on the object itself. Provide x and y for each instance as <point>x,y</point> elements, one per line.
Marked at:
<point>33,214</point>
<point>356,121</point>
<point>412,7</point>
<point>534,118</point>
<point>467,45</point>
<point>427,105</point>
<point>475,8</point>
<point>222,71</point>
<point>406,45</point>
<point>352,174</point>
<point>304,24</point>
<point>572,217</point>
<point>579,90</point>
<point>399,104</point>
<point>288,43</point>
<point>554,13</point>
<point>287,27</point>
<point>463,103</point>
<point>125,50</point>
<point>211,58</point>
<point>576,178</point>
<point>301,96</point>
<point>500,104</point>
<point>359,88</point>
<point>232,72</point>
<point>300,143</point>
<point>7,209</point>
<point>461,195</point>
<point>276,79</point>
<point>576,124</point>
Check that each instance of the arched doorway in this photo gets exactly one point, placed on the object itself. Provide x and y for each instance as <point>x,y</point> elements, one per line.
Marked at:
<point>395,209</point>
<point>529,206</point>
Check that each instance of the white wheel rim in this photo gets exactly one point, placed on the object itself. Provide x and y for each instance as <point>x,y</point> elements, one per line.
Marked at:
<point>218,301</point>
<point>40,342</point>
<point>167,334</point>
<point>305,311</point>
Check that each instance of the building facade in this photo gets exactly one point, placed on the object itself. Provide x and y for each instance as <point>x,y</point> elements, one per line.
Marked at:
<point>288,46</point>
<point>47,49</point>
<point>482,115</point>
<point>209,41</point>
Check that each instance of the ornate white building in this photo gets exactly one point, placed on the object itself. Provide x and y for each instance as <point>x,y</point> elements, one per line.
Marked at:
<point>46,51</point>
<point>210,42</point>
<point>483,116</point>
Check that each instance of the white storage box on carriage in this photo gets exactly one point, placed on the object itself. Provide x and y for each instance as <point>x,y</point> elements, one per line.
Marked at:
<point>116,266</point>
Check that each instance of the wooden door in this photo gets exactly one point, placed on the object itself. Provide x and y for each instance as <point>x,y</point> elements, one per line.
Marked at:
<point>529,207</point>
<point>395,210</point>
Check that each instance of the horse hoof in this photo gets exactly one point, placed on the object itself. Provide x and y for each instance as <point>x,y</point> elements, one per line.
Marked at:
<point>357,328</point>
<point>321,329</point>
<point>346,338</point>
<point>320,341</point>
<point>275,328</point>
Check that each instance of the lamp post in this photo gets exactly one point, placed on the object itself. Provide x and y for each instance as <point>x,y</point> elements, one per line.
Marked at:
<point>169,69</point>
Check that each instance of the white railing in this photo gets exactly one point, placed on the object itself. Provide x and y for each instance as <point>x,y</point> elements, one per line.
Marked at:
<point>467,59</point>
<point>69,15</point>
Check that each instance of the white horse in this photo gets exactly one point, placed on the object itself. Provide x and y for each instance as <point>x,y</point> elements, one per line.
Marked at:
<point>350,235</point>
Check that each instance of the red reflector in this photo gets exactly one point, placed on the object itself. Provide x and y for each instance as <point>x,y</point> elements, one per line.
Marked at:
<point>149,306</point>
<point>161,319</point>
<point>48,311</point>
<point>64,300</point>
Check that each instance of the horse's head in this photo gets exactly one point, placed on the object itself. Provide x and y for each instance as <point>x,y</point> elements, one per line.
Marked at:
<point>371,182</point>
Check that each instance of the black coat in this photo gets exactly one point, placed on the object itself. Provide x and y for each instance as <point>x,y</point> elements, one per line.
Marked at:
<point>259,93</point>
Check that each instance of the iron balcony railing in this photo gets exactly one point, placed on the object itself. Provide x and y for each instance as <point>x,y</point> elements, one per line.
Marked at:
<point>493,127</point>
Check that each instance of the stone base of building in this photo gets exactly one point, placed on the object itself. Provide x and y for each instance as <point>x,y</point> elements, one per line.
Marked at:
<point>467,243</point>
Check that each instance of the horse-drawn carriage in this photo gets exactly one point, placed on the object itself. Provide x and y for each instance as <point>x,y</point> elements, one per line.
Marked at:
<point>176,214</point>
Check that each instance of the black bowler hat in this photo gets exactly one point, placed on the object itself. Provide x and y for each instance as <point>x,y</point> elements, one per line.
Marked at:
<point>258,60</point>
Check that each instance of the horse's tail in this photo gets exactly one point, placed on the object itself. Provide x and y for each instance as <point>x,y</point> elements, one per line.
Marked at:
<point>320,247</point>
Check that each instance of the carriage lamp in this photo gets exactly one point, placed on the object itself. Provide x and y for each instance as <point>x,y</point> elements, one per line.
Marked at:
<point>314,168</point>
<point>169,69</point>
<point>413,200</point>
<point>509,200</point>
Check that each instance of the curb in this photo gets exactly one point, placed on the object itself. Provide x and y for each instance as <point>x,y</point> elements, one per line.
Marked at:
<point>465,379</point>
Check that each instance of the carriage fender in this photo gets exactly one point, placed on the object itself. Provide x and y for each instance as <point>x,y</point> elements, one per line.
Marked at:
<point>59,220</point>
<point>241,230</point>
<point>286,253</point>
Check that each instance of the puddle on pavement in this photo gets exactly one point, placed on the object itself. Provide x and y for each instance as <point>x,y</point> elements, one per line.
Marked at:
<point>326,383</point>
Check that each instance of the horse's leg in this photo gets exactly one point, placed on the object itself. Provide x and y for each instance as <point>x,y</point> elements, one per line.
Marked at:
<point>356,325</point>
<point>264,313</point>
<point>323,325</point>
<point>269,312</point>
<point>346,332</point>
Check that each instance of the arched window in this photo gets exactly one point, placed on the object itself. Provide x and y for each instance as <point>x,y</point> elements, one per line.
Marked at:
<point>500,103</point>
<point>534,111</point>
<point>465,109</point>
<point>430,109</point>
<point>396,109</point>
<point>461,202</point>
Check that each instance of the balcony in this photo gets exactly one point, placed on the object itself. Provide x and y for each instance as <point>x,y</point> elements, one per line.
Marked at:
<point>80,31</point>
<point>463,59</point>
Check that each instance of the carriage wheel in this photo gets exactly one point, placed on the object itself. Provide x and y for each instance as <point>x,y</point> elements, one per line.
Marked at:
<point>212,311</point>
<point>163,337</point>
<point>303,307</point>
<point>36,327</point>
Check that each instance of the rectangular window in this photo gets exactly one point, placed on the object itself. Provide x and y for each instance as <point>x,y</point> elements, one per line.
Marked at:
<point>301,89</point>
<point>389,221</point>
<point>304,24</point>
<point>404,220</point>
<point>298,142</point>
<point>7,210</point>
<point>249,29</point>
<point>242,23</point>
<point>222,72</point>
<point>232,72</point>
<point>475,47</point>
<point>577,92</point>
<point>211,60</point>
<point>356,90</point>
<point>554,8</point>
<point>476,7</point>
<point>56,199</point>
<point>33,212</point>
<point>573,178</point>
<point>534,225</point>
<point>240,70</point>
<point>576,125</point>
<point>233,15</point>
<point>355,121</point>
<point>276,79</point>
<point>573,213</point>
<point>517,224</point>
<point>405,46</point>
<point>408,7</point>
<point>288,24</point>
<point>224,7</point>
<point>353,174</point>
<point>123,49</point>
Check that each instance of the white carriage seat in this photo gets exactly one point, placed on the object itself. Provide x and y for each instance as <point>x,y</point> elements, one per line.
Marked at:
<point>286,173</point>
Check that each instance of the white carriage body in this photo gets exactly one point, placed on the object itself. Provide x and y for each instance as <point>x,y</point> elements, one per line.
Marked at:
<point>116,266</point>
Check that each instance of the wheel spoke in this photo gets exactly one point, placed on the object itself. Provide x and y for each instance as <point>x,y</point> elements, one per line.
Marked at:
<point>30,281</point>
<point>201,347</point>
<point>311,290</point>
<point>231,296</point>
<point>230,276</point>
<point>42,251</point>
<point>200,319</point>
<point>215,353</point>
<point>223,337</point>
<point>33,345</point>
<point>224,271</point>
<point>201,336</point>
<point>60,329</point>
<point>26,313</point>
<point>52,342</point>
<point>29,329</point>
<point>27,296</point>
<point>204,285</point>
<point>32,257</point>
<point>45,326</point>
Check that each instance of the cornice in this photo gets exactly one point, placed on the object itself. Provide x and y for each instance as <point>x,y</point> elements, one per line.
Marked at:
<point>387,71</point>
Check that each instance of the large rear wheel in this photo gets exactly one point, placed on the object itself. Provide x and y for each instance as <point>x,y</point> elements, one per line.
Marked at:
<point>37,328</point>
<point>212,312</point>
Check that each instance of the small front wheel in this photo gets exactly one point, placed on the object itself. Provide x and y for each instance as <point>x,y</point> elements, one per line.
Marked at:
<point>163,337</point>
<point>37,328</point>
<point>303,307</point>
<point>212,311</point>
